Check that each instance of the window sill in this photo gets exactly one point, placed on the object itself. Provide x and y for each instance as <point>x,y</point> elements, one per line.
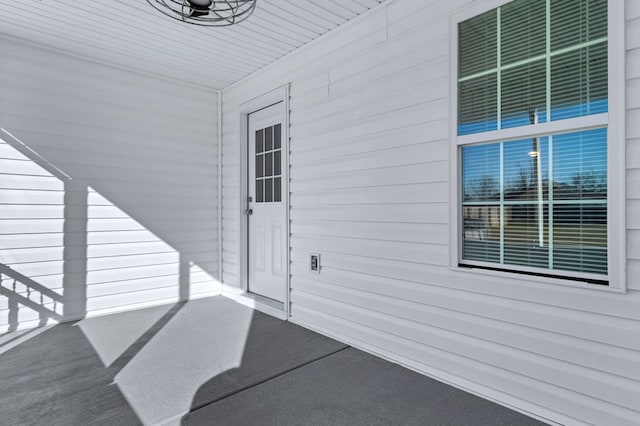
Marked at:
<point>529,279</point>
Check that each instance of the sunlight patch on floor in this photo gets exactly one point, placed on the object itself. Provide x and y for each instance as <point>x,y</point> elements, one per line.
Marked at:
<point>160,382</point>
<point>112,335</point>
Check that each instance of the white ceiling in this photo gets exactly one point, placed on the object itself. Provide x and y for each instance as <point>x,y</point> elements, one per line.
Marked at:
<point>131,34</point>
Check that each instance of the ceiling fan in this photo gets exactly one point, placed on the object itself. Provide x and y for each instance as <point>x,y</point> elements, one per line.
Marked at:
<point>210,13</point>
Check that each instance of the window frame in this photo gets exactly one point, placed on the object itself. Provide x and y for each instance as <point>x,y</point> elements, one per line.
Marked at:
<point>613,120</point>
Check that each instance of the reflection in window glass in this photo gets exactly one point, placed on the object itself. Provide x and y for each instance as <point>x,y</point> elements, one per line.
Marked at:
<point>481,223</point>
<point>580,237</point>
<point>523,243</point>
<point>579,83</point>
<point>540,202</point>
<point>526,169</point>
<point>551,58</point>
<point>580,165</point>
<point>524,95</point>
<point>523,28</point>
<point>478,105</point>
<point>477,44</point>
<point>576,22</point>
<point>481,173</point>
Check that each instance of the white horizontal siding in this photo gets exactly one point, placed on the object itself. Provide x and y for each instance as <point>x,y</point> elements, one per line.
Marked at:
<point>369,191</point>
<point>633,144</point>
<point>112,202</point>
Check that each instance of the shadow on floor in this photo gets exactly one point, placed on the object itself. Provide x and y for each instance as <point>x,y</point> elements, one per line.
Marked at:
<point>146,366</point>
<point>213,361</point>
<point>57,378</point>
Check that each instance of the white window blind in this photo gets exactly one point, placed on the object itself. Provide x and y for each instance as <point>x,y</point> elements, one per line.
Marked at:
<point>536,204</point>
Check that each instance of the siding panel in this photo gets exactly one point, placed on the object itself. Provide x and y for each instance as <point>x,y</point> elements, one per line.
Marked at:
<point>108,192</point>
<point>370,192</point>
<point>382,311</point>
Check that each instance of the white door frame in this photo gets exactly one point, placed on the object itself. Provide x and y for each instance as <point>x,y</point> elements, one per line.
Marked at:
<point>280,94</point>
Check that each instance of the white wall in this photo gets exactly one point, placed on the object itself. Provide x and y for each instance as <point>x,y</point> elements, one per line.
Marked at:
<point>369,191</point>
<point>110,200</point>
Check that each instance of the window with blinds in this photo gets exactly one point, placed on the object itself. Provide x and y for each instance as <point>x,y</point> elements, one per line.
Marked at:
<point>535,203</point>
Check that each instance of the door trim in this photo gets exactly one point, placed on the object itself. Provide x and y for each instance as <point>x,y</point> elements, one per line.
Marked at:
<point>273,97</point>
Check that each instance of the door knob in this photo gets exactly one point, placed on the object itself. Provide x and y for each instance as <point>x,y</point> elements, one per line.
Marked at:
<point>249,212</point>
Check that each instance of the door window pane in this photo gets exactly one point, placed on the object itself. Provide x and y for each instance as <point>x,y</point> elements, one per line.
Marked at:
<point>259,166</point>
<point>277,163</point>
<point>268,190</point>
<point>259,191</point>
<point>259,141</point>
<point>268,139</point>
<point>277,189</point>
<point>268,164</point>
<point>277,136</point>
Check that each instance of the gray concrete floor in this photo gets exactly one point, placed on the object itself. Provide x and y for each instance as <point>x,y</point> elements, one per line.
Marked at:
<point>215,362</point>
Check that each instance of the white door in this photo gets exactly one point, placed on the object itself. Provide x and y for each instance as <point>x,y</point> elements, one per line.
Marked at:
<point>266,204</point>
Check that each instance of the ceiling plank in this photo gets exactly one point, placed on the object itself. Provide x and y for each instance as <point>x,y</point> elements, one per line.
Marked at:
<point>132,35</point>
